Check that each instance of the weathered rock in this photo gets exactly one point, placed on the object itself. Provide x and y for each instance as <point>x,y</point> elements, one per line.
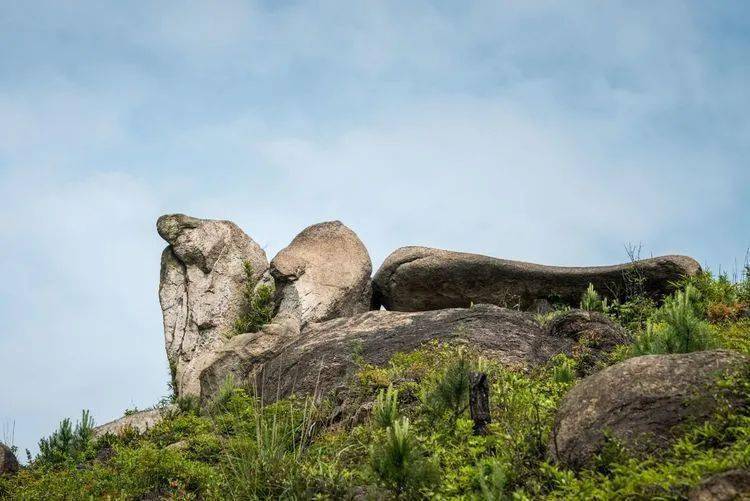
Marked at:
<point>726,486</point>
<point>242,357</point>
<point>595,334</point>
<point>8,462</point>
<point>138,421</point>
<point>200,291</point>
<point>324,354</point>
<point>641,403</point>
<point>420,278</point>
<point>323,274</point>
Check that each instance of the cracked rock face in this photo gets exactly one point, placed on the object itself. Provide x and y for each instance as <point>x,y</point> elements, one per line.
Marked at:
<point>323,274</point>
<point>420,278</point>
<point>200,291</point>
<point>641,402</point>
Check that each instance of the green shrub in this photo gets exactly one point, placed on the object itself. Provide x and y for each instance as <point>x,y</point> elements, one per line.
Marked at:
<point>385,410</point>
<point>400,463</point>
<point>591,301</point>
<point>67,442</point>
<point>257,304</point>
<point>679,328</point>
<point>450,389</point>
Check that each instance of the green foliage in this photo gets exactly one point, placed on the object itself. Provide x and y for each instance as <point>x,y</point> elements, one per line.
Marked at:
<point>385,410</point>
<point>450,389</point>
<point>417,443</point>
<point>257,304</point>
<point>679,328</point>
<point>400,463</point>
<point>66,443</point>
<point>591,301</point>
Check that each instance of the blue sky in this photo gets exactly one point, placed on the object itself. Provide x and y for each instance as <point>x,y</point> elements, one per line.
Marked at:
<point>552,132</point>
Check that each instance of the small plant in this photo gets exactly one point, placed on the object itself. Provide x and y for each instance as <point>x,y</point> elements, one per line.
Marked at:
<point>563,369</point>
<point>399,462</point>
<point>385,410</point>
<point>257,304</point>
<point>591,301</point>
<point>676,327</point>
<point>450,392</point>
<point>66,442</point>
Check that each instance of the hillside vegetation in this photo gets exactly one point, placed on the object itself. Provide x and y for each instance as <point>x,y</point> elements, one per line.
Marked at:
<point>405,430</point>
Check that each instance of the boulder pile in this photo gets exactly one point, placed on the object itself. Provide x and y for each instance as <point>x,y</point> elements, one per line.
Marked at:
<point>327,305</point>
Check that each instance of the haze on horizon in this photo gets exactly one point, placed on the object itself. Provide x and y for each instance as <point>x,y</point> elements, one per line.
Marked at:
<point>551,132</point>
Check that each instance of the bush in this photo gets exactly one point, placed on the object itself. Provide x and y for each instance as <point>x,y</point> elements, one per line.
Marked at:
<point>450,389</point>
<point>66,443</point>
<point>678,327</point>
<point>399,462</point>
<point>257,304</point>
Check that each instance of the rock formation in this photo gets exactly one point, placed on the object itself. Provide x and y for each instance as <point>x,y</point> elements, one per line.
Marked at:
<point>324,354</point>
<point>420,278</point>
<point>323,274</point>
<point>138,421</point>
<point>640,402</point>
<point>202,276</point>
<point>8,462</point>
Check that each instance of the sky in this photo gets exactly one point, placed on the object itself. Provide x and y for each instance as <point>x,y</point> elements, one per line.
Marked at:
<point>551,132</point>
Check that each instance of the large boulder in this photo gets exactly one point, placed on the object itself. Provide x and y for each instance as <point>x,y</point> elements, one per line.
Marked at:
<point>8,462</point>
<point>324,354</point>
<point>200,291</point>
<point>140,421</point>
<point>420,278</point>
<point>726,486</point>
<point>594,333</point>
<point>641,403</point>
<point>323,274</point>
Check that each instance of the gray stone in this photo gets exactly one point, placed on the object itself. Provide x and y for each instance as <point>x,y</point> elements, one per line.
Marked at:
<point>323,274</point>
<point>141,422</point>
<point>8,462</point>
<point>420,278</point>
<point>325,353</point>
<point>200,291</point>
<point>725,486</point>
<point>641,402</point>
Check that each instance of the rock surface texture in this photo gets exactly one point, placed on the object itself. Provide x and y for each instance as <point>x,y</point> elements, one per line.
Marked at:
<point>324,354</point>
<point>640,402</point>
<point>726,486</point>
<point>323,274</point>
<point>8,462</point>
<point>139,421</point>
<point>202,276</point>
<point>420,278</point>
<point>595,334</point>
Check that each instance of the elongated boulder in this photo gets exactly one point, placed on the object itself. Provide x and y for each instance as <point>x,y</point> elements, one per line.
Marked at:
<point>323,274</point>
<point>420,278</point>
<point>642,403</point>
<point>200,291</point>
<point>8,462</point>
